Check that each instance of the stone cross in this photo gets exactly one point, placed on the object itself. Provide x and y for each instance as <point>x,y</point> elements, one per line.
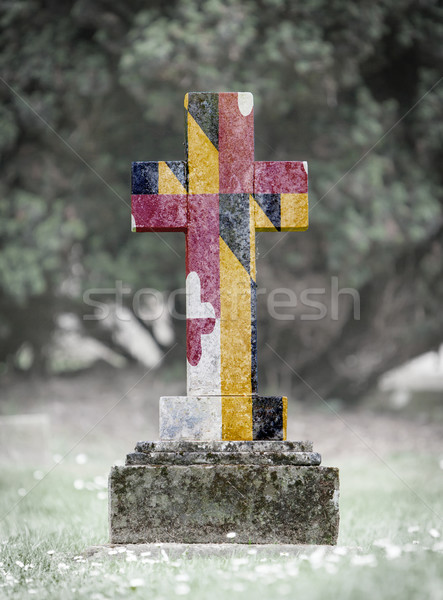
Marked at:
<point>219,197</point>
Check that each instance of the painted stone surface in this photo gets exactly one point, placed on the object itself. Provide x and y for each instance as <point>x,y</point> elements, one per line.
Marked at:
<point>202,503</point>
<point>190,417</point>
<point>223,417</point>
<point>219,197</point>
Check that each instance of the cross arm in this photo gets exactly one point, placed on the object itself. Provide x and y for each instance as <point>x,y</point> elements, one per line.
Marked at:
<point>281,196</point>
<point>159,196</point>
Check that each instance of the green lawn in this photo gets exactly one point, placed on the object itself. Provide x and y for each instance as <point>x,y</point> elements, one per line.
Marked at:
<point>389,543</point>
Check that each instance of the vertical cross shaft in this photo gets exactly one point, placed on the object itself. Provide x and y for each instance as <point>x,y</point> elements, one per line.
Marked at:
<point>220,150</point>
<point>219,197</point>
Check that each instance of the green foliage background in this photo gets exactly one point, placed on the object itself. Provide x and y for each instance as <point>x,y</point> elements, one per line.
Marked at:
<point>351,87</point>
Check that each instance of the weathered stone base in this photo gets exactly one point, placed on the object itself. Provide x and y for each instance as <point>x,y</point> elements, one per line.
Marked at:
<point>262,503</point>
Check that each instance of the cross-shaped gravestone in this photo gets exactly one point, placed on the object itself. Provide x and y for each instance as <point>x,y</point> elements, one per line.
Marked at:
<point>219,197</point>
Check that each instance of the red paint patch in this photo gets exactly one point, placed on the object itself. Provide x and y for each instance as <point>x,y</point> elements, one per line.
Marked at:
<point>235,146</point>
<point>195,328</point>
<point>159,212</point>
<point>284,177</point>
<point>203,246</point>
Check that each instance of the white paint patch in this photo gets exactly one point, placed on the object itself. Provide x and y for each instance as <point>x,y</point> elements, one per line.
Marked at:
<point>245,103</point>
<point>205,378</point>
<point>190,418</point>
<point>305,164</point>
<point>195,308</point>
<point>133,225</point>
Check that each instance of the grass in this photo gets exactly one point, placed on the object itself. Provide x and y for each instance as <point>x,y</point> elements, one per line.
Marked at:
<point>385,547</point>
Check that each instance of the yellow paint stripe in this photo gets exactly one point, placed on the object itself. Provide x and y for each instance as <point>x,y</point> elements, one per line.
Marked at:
<point>235,324</point>
<point>167,181</point>
<point>237,418</point>
<point>294,212</point>
<point>252,267</point>
<point>202,161</point>
<point>262,222</point>
<point>285,417</point>
<point>186,101</point>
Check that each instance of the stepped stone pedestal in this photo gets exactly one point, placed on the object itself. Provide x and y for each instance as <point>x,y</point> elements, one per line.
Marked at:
<point>265,492</point>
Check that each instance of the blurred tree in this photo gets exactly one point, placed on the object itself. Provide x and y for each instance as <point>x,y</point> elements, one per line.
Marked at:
<point>342,85</point>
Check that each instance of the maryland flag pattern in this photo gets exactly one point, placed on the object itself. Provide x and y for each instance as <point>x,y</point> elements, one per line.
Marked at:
<point>219,197</point>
